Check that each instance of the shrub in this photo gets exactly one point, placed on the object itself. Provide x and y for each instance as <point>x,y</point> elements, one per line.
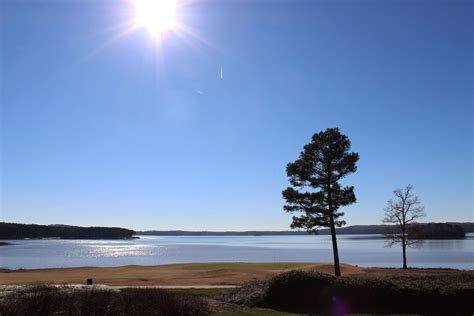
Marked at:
<point>50,300</point>
<point>307,292</point>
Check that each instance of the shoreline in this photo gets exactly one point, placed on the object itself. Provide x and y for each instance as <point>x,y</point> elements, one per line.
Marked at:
<point>195,274</point>
<point>64,238</point>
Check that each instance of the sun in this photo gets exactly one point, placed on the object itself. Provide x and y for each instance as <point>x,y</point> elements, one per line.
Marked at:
<point>156,16</point>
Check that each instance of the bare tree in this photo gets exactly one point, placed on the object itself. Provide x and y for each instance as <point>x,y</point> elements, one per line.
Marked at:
<point>402,212</point>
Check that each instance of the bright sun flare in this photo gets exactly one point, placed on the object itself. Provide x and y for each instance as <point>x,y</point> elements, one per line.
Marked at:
<point>156,16</point>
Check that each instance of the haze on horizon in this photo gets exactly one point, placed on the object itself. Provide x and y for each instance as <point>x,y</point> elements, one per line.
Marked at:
<point>109,123</point>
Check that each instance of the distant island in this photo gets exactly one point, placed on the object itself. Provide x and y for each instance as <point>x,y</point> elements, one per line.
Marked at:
<point>437,231</point>
<point>424,231</point>
<point>32,231</point>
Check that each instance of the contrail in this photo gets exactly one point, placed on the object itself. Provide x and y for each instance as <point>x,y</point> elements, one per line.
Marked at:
<point>222,73</point>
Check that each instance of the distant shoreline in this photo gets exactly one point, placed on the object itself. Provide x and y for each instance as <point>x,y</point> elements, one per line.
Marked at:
<point>17,231</point>
<point>349,230</point>
<point>62,238</point>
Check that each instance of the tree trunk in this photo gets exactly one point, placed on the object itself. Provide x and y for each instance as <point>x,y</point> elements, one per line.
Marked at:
<point>404,249</point>
<point>337,269</point>
<point>404,244</point>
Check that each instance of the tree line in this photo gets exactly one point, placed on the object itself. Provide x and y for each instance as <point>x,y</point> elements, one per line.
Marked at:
<point>436,231</point>
<point>22,231</point>
<point>442,231</point>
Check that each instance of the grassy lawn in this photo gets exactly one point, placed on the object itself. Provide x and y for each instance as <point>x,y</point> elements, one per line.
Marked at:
<point>244,266</point>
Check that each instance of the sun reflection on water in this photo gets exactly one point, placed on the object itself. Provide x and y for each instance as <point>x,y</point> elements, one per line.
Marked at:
<point>108,250</point>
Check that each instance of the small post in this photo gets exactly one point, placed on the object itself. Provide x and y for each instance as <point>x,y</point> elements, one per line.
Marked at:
<point>89,281</point>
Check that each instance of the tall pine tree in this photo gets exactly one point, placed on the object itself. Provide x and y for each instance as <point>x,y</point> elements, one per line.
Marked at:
<point>315,190</point>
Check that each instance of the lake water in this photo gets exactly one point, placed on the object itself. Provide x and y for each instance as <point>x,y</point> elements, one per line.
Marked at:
<point>362,250</point>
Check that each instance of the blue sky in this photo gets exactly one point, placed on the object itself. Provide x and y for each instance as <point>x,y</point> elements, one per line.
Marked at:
<point>101,130</point>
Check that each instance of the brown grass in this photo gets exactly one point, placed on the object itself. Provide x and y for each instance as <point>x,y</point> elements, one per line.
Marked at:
<point>186,274</point>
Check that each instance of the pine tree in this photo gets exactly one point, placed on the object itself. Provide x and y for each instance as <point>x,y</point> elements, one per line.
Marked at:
<point>316,191</point>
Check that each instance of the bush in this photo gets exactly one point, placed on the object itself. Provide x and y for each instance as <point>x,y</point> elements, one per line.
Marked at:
<point>307,292</point>
<point>50,300</point>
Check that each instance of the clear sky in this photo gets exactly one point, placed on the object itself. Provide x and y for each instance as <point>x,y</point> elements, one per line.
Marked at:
<point>194,131</point>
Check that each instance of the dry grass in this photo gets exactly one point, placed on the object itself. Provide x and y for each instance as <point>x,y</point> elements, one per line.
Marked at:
<point>191,274</point>
<point>176,274</point>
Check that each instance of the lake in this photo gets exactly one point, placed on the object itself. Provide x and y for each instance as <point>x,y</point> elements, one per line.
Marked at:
<point>362,250</point>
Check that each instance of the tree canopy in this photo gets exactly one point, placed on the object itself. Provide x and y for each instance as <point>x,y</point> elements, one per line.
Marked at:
<point>322,163</point>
